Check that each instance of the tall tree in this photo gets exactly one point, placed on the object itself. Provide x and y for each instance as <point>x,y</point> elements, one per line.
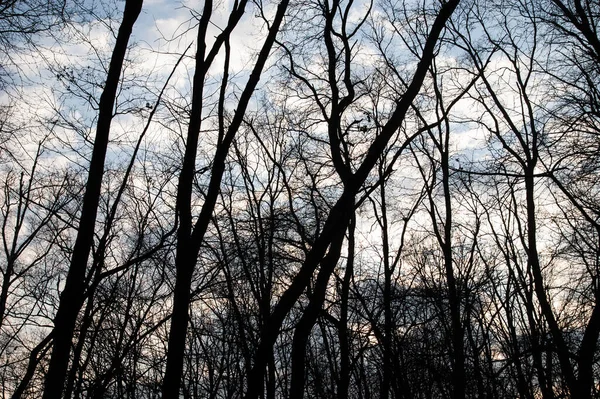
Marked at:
<point>73,293</point>
<point>190,235</point>
<point>330,237</point>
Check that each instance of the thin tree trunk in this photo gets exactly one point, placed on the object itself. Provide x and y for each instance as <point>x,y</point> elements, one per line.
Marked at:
<point>34,358</point>
<point>72,297</point>
<point>309,317</point>
<point>587,350</point>
<point>387,300</point>
<point>540,290</point>
<point>458,370</point>
<point>344,380</point>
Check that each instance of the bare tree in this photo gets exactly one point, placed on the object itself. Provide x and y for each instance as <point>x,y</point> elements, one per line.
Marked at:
<point>72,296</point>
<point>327,245</point>
<point>190,235</point>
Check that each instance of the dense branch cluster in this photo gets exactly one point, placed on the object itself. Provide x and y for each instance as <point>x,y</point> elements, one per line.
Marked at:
<point>304,198</point>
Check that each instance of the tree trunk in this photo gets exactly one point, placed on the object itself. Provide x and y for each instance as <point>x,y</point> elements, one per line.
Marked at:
<point>338,216</point>
<point>344,380</point>
<point>310,315</point>
<point>72,296</point>
<point>188,240</point>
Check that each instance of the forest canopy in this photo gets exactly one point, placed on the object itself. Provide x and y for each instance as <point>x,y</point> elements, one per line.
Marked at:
<point>343,199</point>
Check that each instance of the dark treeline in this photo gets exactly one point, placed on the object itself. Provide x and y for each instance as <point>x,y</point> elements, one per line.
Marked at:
<point>306,199</point>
